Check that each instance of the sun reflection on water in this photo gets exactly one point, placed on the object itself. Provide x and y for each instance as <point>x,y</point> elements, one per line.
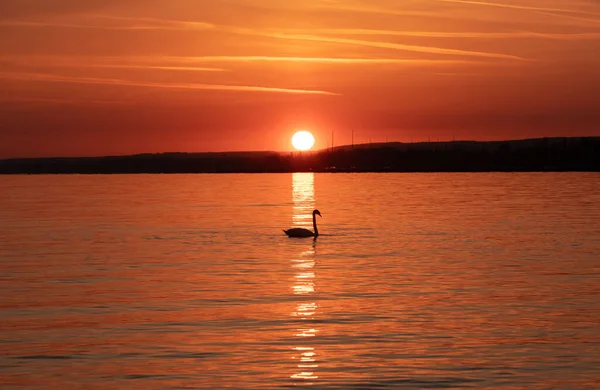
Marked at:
<point>303,194</point>
<point>303,285</point>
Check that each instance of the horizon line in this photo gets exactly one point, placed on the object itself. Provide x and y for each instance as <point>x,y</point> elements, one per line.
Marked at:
<point>329,148</point>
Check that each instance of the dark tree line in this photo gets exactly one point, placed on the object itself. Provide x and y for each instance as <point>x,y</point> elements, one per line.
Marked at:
<point>544,154</point>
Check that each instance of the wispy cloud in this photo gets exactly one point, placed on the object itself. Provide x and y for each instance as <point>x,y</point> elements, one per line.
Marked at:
<point>576,15</point>
<point>281,34</point>
<point>460,74</point>
<point>105,62</point>
<point>370,9</point>
<point>126,23</point>
<point>119,82</point>
<point>139,24</point>
<point>18,23</point>
<point>517,6</point>
<point>335,7</point>
<point>61,101</point>
<point>577,19</point>
<point>329,60</point>
<point>395,46</point>
<point>158,67</point>
<point>452,34</point>
<point>186,62</point>
<point>158,23</point>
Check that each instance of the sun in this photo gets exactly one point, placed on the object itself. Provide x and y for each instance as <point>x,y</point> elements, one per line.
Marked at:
<point>303,140</point>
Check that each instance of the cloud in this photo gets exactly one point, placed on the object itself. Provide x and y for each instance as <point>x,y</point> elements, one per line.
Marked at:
<point>328,60</point>
<point>561,13</point>
<point>12,9</point>
<point>148,23</point>
<point>518,7</point>
<point>119,82</point>
<point>370,9</point>
<point>395,46</point>
<point>94,21</point>
<point>453,34</point>
<point>578,19</point>
<point>157,67</point>
<point>186,62</point>
<point>59,101</point>
<point>140,24</point>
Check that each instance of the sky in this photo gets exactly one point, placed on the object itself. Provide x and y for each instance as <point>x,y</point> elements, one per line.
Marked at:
<point>113,77</point>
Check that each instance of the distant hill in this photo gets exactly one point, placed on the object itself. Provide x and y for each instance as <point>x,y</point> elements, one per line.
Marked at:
<point>540,154</point>
<point>468,144</point>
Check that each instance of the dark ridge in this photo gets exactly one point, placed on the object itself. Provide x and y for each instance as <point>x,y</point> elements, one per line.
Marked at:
<point>528,155</point>
<point>44,357</point>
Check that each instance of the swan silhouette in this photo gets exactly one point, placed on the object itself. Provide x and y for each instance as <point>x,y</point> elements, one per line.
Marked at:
<point>301,232</point>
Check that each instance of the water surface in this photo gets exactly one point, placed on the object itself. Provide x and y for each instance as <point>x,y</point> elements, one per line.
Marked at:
<point>187,281</point>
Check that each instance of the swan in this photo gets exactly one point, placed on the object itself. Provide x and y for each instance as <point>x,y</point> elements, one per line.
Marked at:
<point>301,232</point>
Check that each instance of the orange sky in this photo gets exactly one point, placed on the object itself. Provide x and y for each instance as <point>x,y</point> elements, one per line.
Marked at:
<point>101,77</point>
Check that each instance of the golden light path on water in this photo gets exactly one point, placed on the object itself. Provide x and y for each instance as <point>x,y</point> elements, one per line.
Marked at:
<point>303,194</point>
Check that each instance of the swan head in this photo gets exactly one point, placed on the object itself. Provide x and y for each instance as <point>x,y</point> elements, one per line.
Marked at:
<point>317,212</point>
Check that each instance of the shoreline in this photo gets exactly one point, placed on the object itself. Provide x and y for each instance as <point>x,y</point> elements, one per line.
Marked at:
<point>575,154</point>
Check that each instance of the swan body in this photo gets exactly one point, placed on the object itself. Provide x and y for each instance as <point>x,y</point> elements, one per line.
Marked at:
<point>301,232</point>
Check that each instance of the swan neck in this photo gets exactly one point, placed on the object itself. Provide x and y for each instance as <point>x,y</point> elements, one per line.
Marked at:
<point>315,224</point>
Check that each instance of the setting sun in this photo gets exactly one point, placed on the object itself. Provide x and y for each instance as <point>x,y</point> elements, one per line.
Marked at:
<point>303,140</point>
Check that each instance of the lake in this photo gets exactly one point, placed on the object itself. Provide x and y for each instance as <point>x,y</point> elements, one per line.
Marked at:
<point>485,280</point>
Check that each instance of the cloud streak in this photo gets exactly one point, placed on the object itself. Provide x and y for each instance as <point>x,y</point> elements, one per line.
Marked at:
<point>452,34</point>
<point>60,101</point>
<point>134,24</point>
<point>179,25</point>
<point>328,35</point>
<point>119,82</point>
<point>327,60</point>
<point>186,62</point>
<point>154,67</point>
<point>578,19</point>
<point>396,46</point>
<point>518,7</point>
<point>282,34</point>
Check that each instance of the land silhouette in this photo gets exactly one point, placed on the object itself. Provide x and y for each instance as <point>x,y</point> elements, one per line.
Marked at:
<point>527,155</point>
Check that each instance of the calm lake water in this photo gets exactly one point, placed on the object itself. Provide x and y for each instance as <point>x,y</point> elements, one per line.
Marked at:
<point>187,281</point>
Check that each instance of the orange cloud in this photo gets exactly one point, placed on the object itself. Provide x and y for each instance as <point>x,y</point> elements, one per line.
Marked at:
<point>119,82</point>
<point>397,46</point>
